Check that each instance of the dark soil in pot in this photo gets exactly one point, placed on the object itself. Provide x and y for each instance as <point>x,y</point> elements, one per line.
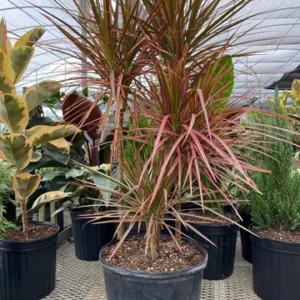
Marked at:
<point>89,238</point>
<point>276,264</point>
<point>246,237</point>
<point>172,276</point>
<point>28,268</point>
<point>220,257</point>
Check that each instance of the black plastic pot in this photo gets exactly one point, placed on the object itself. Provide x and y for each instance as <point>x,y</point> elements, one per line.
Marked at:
<point>220,258</point>
<point>28,269</point>
<point>125,284</point>
<point>90,238</point>
<point>276,269</point>
<point>246,237</point>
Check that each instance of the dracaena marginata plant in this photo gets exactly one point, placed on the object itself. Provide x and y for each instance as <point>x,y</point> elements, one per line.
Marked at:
<point>195,137</point>
<point>18,145</point>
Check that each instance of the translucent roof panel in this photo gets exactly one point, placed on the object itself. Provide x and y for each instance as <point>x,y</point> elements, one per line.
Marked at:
<point>274,40</point>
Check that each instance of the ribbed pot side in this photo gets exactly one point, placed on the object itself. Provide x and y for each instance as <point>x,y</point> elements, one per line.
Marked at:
<point>276,269</point>
<point>28,269</point>
<point>125,284</point>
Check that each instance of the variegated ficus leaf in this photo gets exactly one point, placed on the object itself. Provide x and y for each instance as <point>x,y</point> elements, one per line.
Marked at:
<point>49,197</point>
<point>13,113</point>
<point>296,89</point>
<point>60,144</point>
<point>15,149</point>
<point>5,43</point>
<point>16,62</point>
<point>36,156</point>
<point>6,85</point>
<point>40,92</point>
<point>18,58</point>
<point>44,134</point>
<point>25,184</point>
<point>30,38</point>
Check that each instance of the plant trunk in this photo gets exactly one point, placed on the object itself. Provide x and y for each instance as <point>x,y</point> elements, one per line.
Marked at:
<point>154,245</point>
<point>178,225</point>
<point>24,217</point>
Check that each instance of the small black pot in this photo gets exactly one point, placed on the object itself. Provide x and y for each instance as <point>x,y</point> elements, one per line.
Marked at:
<point>90,238</point>
<point>246,237</point>
<point>28,269</point>
<point>125,284</point>
<point>220,257</point>
<point>276,269</point>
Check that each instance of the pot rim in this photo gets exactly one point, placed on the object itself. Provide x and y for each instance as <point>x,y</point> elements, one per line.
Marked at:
<point>39,240</point>
<point>269,239</point>
<point>155,275</point>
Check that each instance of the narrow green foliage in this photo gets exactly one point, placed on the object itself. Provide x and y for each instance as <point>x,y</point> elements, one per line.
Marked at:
<point>5,181</point>
<point>279,203</point>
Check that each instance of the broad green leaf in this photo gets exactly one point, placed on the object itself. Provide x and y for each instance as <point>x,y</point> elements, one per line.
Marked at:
<point>15,149</point>
<point>74,173</point>
<point>296,89</point>
<point>16,62</point>
<point>107,183</point>
<point>40,92</point>
<point>36,156</point>
<point>6,85</point>
<point>45,134</point>
<point>13,113</point>
<point>25,184</point>
<point>30,38</point>
<point>49,197</point>
<point>61,144</point>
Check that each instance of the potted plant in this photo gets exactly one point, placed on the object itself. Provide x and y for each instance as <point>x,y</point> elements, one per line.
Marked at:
<point>28,252</point>
<point>275,213</point>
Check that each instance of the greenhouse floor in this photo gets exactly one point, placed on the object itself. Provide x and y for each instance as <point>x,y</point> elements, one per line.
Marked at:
<point>83,280</point>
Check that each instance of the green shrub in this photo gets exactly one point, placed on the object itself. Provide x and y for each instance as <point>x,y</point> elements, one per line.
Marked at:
<point>5,181</point>
<point>279,204</point>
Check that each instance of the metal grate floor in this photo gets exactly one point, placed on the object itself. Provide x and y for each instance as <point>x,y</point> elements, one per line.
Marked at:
<point>81,280</point>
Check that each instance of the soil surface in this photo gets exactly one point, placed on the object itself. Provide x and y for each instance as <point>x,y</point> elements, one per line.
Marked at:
<point>169,258</point>
<point>35,232</point>
<point>278,234</point>
<point>214,219</point>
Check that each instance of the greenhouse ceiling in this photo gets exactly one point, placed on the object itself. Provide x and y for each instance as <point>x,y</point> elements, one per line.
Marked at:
<point>274,41</point>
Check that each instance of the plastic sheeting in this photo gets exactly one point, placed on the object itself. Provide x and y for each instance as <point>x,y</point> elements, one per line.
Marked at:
<point>274,39</point>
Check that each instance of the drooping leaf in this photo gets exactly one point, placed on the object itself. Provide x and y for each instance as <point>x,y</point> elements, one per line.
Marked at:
<point>49,197</point>
<point>16,150</point>
<point>30,38</point>
<point>16,62</point>
<point>13,113</point>
<point>60,144</point>
<point>40,92</point>
<point>36,156</point>
<point>44,134</point>
<point>25,184</point>
<point>107,183</point>
<point>73,173</point>
<point>6,85</point>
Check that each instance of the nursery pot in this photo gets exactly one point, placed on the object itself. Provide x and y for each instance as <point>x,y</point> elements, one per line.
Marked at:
<point>276,269</point>
<point>220,257</point>
<point>126,284</point>
<point>89,238</point>
<point>28,269</point>
<point>246,237</point>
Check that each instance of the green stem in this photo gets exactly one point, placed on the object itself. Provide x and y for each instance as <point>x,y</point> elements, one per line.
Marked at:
<point>42,214</point>
<point>24,217</point>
